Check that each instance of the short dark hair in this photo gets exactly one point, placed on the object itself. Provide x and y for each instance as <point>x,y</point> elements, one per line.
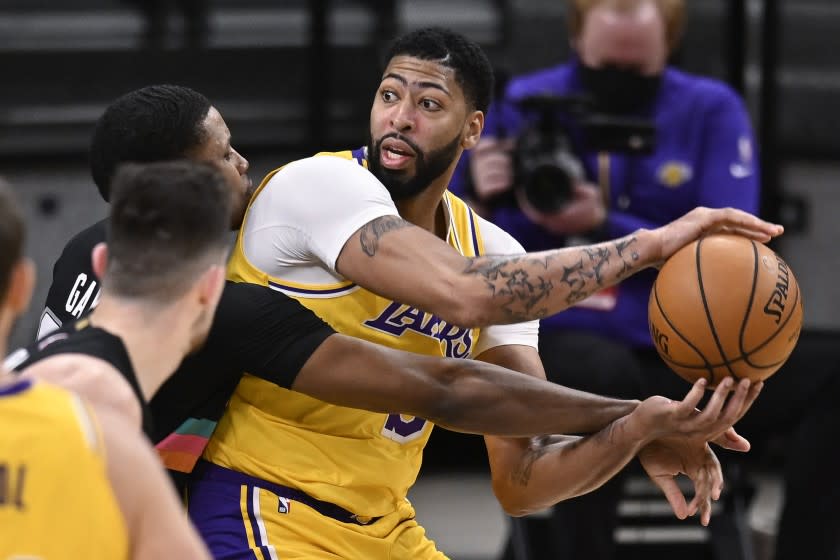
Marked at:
<point>12,233</point>
<point>154,123</point>
<point>473,70</point>
<point>169,221</point>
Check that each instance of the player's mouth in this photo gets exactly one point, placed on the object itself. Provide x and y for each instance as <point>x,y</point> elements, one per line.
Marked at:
<point>395,154</point>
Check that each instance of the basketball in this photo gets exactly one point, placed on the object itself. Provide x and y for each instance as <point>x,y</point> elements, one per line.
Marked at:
<point>725,305</point>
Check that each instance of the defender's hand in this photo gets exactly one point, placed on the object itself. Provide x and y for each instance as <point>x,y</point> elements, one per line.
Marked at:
<point>673,236</point>
<point>658,417</point>
<point>666,458</point>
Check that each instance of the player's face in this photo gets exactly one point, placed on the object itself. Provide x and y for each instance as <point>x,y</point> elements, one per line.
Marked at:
<point>417,125</point>
<point>217,151</point>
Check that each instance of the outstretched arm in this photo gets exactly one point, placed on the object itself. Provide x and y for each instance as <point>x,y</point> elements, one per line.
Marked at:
<point>461,395</point>
<point>531,474</point>
<point>400,261</point>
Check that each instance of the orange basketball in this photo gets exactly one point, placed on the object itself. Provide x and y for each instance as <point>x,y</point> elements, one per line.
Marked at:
<point>725,306</point>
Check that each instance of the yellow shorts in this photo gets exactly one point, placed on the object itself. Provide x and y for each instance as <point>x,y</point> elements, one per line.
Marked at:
<point>241,518</point>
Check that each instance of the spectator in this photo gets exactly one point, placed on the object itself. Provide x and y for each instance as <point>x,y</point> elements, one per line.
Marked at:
<point>704,155</point>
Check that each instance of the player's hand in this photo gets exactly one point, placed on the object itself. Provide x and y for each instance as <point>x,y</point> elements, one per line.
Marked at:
<point>666,458</point>
<point>729,438</point>
<point>658,417</point>
<point>701,221</point>
<point>584,212</point>
<point>491,167</point>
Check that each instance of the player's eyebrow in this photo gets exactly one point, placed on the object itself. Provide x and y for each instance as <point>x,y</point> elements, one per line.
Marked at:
<point>423,84</point>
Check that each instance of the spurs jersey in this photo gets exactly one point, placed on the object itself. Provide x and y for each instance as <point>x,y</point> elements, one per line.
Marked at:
<point>55,498</point>
<point>362,461</point>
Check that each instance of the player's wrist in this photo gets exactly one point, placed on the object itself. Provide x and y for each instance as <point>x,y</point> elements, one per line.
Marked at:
<point>648,247</point>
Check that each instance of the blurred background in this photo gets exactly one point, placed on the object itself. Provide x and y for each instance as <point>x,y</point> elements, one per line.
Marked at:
<point>293,77</point>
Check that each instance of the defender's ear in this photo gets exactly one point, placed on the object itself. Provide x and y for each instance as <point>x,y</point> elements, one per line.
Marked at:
<point>99,260</point>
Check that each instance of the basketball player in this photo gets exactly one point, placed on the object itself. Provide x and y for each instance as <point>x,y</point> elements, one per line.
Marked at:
<point>163,273</point>
<point>74,483</point>
<point>404,265</point>
<point>270,335</point>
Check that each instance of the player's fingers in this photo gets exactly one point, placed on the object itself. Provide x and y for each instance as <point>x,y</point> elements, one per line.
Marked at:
<point>740,220</point>
<point>735,405</point>
<point>702,500</point>
<point>713,408</point>
<point>674,495</point>
<point>687,407</point>
<point>732,440</point>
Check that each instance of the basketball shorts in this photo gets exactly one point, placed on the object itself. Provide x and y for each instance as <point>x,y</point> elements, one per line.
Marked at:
<point>243,517</point>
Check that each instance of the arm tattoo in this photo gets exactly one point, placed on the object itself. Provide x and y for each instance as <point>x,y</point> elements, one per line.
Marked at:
<point>374,230</point>
<point>538,447</point>
<point>525,283</point>
<point>621,246</point>
<point>518,281</point>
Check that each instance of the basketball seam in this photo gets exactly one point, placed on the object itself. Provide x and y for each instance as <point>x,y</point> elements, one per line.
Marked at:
<point>708,367</point>
<point>743,329</point>
<point>774,335</point>
<point>709,313</point>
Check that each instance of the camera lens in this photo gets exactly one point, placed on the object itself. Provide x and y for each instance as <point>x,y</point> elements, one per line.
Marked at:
<point>548,187</point>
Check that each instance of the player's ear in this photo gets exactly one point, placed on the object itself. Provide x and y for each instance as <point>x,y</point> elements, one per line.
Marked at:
<point>211,284</point>
<point>21,284</point>
<point>99,260</point>
<point>472,129</point>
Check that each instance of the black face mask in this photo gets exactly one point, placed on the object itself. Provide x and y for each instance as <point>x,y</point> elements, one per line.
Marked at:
<point>619,90</point>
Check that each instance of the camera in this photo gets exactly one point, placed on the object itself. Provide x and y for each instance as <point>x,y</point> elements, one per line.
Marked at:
<point>545,166</point>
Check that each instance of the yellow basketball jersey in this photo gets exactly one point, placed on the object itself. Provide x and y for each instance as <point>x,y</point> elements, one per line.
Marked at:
<point>364,462</point>
<point>55,498</point>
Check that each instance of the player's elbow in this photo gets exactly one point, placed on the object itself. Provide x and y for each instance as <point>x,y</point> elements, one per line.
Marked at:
<point>459,303</point>
<point>514,501</point>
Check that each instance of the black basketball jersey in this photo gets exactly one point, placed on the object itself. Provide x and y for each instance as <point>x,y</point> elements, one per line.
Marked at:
<point>255,330</point>
<point>81,337</point>
<point>75,288</point>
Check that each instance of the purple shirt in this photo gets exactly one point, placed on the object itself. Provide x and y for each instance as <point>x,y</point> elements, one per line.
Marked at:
<point>704,156</point>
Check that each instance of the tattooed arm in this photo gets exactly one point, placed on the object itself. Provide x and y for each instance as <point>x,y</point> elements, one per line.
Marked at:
<point>670,437</point>
<point>530,474</point>
<point>400,261</point>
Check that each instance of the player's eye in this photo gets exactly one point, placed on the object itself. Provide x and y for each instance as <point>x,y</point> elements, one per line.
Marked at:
<point>430,104</point>
<point>388,96</point>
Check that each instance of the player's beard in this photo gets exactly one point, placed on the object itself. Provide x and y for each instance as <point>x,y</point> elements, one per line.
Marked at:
<point>427,167</point>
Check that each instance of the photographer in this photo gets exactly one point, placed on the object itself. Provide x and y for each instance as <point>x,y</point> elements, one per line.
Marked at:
<point>704,155</point>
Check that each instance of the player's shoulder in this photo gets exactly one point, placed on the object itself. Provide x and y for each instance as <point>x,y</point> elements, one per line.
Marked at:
<point>320,165</point>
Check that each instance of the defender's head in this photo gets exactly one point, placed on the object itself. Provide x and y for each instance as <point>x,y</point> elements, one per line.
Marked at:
<point>163,123</point>
<point>429,107</point>
<point>167,238</point>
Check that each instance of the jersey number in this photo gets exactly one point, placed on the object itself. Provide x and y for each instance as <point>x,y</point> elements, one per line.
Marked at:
<point>11,486</point>
<point>403,429</point>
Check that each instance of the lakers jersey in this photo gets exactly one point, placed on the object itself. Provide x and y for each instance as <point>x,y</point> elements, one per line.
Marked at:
<point>362,461</point>
<point>55,498</point>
